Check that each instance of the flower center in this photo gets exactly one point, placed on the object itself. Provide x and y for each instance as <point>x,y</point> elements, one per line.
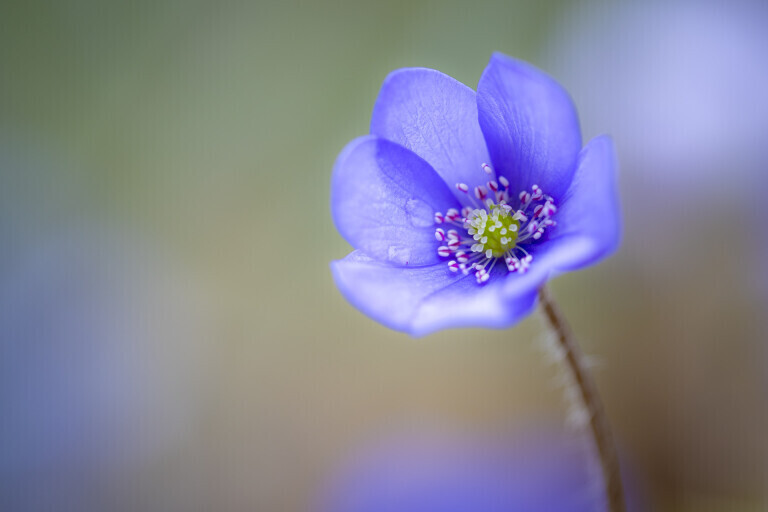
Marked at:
<point>493,229</point>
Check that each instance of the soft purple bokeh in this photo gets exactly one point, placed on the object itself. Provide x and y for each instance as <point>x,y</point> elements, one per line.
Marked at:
<point>101,344</point>
<point>681,84</point>
<point>426,470</point>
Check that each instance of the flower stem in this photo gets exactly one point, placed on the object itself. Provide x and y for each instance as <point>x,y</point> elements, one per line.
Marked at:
<point>598,421</point>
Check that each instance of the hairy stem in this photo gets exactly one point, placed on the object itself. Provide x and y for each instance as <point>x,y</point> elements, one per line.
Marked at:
<point>598,421</point>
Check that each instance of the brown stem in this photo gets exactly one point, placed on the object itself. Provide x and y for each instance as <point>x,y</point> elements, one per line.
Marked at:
<point>598,421</point>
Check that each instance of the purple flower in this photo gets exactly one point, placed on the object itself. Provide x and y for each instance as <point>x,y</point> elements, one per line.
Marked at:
<point>460,205</point>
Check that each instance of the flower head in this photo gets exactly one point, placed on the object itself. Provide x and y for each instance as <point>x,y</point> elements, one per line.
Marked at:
<point>460,205</point>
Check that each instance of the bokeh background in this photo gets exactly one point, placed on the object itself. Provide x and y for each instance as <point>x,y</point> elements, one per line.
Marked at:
<point>170,335</point>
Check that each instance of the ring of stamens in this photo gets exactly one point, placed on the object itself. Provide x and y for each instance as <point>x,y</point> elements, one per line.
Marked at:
<point>493,229</point>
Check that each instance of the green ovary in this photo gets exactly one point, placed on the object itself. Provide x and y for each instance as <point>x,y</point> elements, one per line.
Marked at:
<point>494,242</point>
<point>495,231</point>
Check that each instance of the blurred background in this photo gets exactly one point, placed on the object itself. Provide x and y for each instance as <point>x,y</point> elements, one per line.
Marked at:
<point>171,337</point>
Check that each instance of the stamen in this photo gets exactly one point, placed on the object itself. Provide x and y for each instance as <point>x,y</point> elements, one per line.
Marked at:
<point>494,229</point>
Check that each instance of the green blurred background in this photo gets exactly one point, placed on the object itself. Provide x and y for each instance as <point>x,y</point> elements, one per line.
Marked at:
<point>178,154</point>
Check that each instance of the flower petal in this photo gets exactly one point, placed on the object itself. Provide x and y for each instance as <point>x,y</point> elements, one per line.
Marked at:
<point>530,125</point>
<point>426,299</point>
<point>383,201</point>
<point>434,116</point>
<point>589,216</point>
